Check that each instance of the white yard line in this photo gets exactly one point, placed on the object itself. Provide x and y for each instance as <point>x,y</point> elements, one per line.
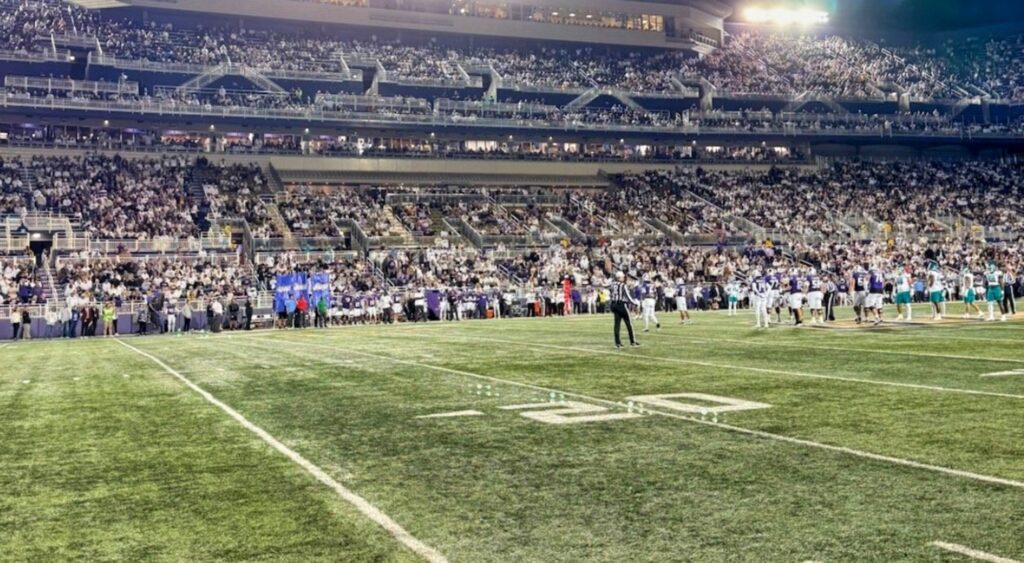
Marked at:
<point>972,553</point>
<point>452,414</point>
<point>760,434</point>
<point>1010,373</point>
<point>774,343</point>
<point>5,344</point>
<point>361,504</point>
<point>633,354</point>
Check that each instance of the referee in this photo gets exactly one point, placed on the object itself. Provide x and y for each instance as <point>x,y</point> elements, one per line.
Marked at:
<point>620,298</point>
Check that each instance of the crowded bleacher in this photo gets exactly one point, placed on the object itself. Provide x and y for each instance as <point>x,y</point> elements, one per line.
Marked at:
<point>701,166</point>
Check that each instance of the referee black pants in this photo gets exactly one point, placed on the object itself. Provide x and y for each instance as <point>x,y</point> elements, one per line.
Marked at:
<point>830,312</point>
<point>1009,305</point>
<point>622,314</point>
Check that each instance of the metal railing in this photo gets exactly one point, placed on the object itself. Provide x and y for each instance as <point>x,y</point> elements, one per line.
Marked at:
<point>162,107</point>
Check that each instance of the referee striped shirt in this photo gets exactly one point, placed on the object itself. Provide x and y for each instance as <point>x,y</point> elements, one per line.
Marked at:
<point>620,293</point>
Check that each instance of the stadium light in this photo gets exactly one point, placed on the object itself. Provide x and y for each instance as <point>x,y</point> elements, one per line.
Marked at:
<point>784,16</point>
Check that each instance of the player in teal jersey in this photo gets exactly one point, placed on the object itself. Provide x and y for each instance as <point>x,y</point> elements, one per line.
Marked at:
<point>970,296</point>
<point>937,291</point>
<point>994,292</point>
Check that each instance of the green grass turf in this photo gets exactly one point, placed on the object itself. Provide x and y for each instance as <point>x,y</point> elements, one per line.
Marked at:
<point>108,467</point>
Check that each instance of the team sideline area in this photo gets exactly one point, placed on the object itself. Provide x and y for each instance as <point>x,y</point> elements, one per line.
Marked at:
<point>518,439</point>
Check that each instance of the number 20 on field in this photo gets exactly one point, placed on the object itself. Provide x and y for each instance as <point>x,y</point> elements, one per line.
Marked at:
<point>575,412</point>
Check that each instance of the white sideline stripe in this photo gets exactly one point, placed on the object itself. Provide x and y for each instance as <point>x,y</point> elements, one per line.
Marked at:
<point>972,553</point>
<point>1004,373</point>
<point>451,414</point>
<point>841,348</point>
<point>754,342</point>
<point>619,354</point>
<point>361,504</point>
<point>758,433</point>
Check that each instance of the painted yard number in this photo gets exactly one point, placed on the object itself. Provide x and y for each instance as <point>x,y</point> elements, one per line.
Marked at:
<point>575,412</point>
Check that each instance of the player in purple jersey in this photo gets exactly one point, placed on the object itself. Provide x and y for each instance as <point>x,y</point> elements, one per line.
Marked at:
<point>346,308</point>
<point>876,293</point>
<point>860,292</point>
<point>775,295</point>
<point>796,297</point>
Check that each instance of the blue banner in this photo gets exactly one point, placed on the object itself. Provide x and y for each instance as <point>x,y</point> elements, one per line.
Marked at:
<point>297,285</point>
<point>320,287</point>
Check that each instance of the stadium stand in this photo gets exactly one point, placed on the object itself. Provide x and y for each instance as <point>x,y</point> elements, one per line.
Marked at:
<point>744,137</point>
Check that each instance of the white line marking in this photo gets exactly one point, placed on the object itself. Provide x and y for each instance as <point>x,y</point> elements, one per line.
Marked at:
<point>634,355</point>
<point>1004,373</point>
<point>972,553</point>
<point>773,343</point>
<point>556,413</point>
<point>834,348</point>
<point>737,429</point>
<point>451,414</point>
<point>726,404</point>
<point>5,344</point>
<point>361,504</point>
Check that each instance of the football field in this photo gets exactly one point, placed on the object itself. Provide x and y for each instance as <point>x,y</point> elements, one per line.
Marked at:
<point>518,440</point>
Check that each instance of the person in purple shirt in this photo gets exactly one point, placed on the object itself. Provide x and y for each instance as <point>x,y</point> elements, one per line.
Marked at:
<point>796,297</point>
<point>876,292</point>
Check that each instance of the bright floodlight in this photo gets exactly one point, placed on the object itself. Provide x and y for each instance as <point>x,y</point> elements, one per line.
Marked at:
<point>783,16</point>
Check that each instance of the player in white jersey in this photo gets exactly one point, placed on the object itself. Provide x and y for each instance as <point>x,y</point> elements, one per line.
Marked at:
<point>979,291</point>
<point>937,292</point>
<point>994,292</point>
<point>681,296</point>
<point>759,295</point>
<point>815,297</point>
<point>649,295</point>
<point>970,293</point>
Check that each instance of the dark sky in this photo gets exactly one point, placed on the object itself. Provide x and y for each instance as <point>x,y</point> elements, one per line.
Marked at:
<point>914,16</point>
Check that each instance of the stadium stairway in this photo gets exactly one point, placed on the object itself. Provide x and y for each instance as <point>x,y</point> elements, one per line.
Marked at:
<point>50,291</point>
<point>281,226</point>
<point>274,183</point>
<point>194,188</point>
<point>437,223</point>
<point>28,178</point>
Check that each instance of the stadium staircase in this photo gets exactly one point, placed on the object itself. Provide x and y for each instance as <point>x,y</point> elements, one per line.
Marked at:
<point>50,293</point>
<point>437,221</point>
<point>194,188</point>
<point>281,226</point>
<point>205,79</point>
<point>257,78</point>
<point>665,229</point>
<point>274,183</point>
<point>583,99</point>
<point>460,226</point>
<point>570,230</point>
<point>28,178</point>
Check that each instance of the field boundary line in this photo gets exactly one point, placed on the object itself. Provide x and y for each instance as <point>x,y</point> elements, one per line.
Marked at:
<point>737,429</point>
<point>841,348</point>
<point>630,354</point>
<point>704,339</point>
<point>359,503</point>
<point>972,553</point>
